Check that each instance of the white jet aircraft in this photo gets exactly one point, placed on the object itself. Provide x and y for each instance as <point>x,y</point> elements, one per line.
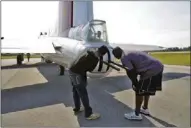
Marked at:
<point>69,43</point>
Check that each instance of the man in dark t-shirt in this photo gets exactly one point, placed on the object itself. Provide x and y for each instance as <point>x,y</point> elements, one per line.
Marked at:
<point>150,71</point>
<point>78,78</point>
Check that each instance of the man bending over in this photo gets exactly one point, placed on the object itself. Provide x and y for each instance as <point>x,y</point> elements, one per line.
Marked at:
<point>78,78</point>
<point>150,71</point>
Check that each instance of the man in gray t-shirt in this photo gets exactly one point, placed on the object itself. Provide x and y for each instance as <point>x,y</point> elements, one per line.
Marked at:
<point>145,65</point>
<point>150,71</point>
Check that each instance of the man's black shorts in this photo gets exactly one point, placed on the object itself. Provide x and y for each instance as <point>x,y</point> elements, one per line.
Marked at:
<point>150,86</point>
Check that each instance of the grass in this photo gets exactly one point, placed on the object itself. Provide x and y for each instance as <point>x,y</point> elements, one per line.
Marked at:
<point>171,58</point>
<point>14,56</point>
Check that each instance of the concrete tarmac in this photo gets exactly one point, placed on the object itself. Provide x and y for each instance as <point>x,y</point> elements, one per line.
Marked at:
<point>34,95</point>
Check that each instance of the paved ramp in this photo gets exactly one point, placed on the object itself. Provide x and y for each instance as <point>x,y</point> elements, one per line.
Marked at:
<point>35,96</point>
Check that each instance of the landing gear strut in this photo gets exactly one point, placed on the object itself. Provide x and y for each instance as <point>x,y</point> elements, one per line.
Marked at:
<point>44,60</point>
<point>61,70</point>
<point>20,58</point>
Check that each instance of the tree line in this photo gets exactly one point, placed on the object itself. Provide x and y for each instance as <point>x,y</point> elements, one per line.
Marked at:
<point>178,49</point>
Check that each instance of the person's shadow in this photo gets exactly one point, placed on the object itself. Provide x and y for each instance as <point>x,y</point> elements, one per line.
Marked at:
<point>165,124</point>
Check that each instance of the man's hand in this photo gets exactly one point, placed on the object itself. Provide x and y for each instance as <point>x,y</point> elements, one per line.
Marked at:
<point>133,87</point>
<point>133,77</point>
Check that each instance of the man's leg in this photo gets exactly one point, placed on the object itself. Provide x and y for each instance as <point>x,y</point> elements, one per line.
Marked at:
<point>79,81</point>
<point>155,84</point>
<point>144,109</point>
<point>139,94</point>
<point>76,100</point>
<point>146,102</point>
<point>82,92</point>
<point>135,115</point>
<point>138,103</point>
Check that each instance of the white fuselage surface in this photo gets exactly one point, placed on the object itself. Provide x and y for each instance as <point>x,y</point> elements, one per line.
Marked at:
<point>79,40</point>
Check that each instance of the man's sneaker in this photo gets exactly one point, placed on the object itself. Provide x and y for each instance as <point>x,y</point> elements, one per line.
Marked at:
<point>78,111</point>
<point>133,116</point>
<point>145,111</point>
<point>93,116</point>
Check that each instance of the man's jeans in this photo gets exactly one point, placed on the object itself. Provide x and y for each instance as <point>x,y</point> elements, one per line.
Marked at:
<point>80,92</point>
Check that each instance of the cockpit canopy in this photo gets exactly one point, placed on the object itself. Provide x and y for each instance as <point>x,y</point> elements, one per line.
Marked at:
<point>93,31</point>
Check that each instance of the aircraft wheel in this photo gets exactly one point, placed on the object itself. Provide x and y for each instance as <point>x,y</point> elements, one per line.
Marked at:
<point>48,61</point>
<point>61,70</point>
<point>19,60</point>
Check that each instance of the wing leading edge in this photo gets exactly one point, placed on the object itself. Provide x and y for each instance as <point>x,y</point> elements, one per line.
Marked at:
<point>138,47</point>
<point>26,46</point>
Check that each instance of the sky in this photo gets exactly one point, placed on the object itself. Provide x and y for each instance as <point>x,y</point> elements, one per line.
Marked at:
<point>27,19</point>
<point>164,23</point>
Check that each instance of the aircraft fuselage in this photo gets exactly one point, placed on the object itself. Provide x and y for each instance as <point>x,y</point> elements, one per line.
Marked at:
<point>81,39</point>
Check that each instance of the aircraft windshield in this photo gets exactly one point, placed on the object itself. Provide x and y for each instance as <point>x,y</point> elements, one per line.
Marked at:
<point>97,32</point>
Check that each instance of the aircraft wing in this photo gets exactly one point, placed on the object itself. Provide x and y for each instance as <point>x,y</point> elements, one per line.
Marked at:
<point>26,46</point>
<point>138,47</point>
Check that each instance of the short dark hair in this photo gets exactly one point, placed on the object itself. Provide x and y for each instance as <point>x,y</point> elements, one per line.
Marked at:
<point>117,52</point>
<point>103,50</point>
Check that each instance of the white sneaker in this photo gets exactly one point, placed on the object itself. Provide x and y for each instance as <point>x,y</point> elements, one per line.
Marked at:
<point>145,111</point>
<point>133,116</point>
<point>93,116</point>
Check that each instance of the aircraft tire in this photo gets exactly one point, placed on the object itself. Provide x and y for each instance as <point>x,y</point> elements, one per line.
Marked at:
<point>48,61</point>
<point>19,60</point>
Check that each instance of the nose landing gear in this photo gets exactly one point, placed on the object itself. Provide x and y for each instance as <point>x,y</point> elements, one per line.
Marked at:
<point>61,70</point>
<point>20,59</point>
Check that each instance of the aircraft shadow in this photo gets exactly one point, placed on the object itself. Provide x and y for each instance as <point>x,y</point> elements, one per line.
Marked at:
<point>58,90</point>
<point>166,76</point>
<point>174,75</point>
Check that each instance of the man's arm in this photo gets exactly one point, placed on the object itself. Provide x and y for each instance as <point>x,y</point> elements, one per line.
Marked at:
<point>133,76</point>
<point>131,73</point>
<point>131,70</point>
